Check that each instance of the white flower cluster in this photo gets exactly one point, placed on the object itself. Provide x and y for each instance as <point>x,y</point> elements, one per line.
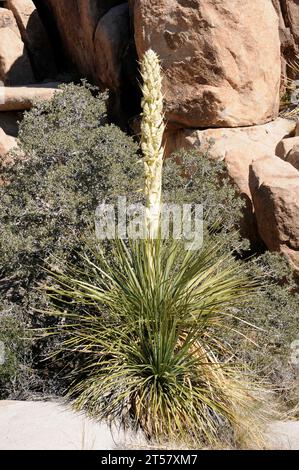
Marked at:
<point>152,130</point>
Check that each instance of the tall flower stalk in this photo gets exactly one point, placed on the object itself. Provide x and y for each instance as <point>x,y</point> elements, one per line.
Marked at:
<point>152,129</point>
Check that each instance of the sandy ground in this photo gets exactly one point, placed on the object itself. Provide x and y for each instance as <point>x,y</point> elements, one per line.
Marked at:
<point>52,426</point>
<point>284,435</point>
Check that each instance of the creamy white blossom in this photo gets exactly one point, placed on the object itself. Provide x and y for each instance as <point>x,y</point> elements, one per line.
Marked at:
<point>152,130</point>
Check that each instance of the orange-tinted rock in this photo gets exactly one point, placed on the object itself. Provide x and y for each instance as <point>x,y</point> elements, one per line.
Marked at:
<point>289,42</point>
<point>15,66</point>
<point>291,12</point>
<point>76,21</point>
<point>293,156</point>
<point>238,148</point>
<point>23,97</point>
<point>111,38</point>
<point>34,37</point>
<point>274,186</point>
<point>221,61</point>
<point>285,145</point>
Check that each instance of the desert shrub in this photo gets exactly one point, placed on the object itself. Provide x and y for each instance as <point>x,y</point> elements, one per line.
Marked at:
<point>16,374</point>
<point>192,177</point>
<point>69,160</point>
<point>275,310</point>
<point>72,161</point>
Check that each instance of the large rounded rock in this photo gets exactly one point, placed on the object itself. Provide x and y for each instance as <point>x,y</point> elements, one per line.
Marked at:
<point>285,146</point>
<point>290,10</point>
<point>221,59</point>
<point>34,37</point>
<point>287,31</point>
<point>111,38</point>
<point>274,186</point>
<point>15,66</point>
<point>76,22</point>
<point>293,156</point>
<point>238,147</point>
<point>251,141</point>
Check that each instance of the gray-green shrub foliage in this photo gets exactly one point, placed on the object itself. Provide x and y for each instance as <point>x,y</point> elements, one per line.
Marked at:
<point>70,158</point>
<point>73,160</point>
<point>16,373</point>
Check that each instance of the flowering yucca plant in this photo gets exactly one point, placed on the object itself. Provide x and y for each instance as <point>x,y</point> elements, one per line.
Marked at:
<point>145,321</point>
<point>152,130</point>
<point>152,359</point>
